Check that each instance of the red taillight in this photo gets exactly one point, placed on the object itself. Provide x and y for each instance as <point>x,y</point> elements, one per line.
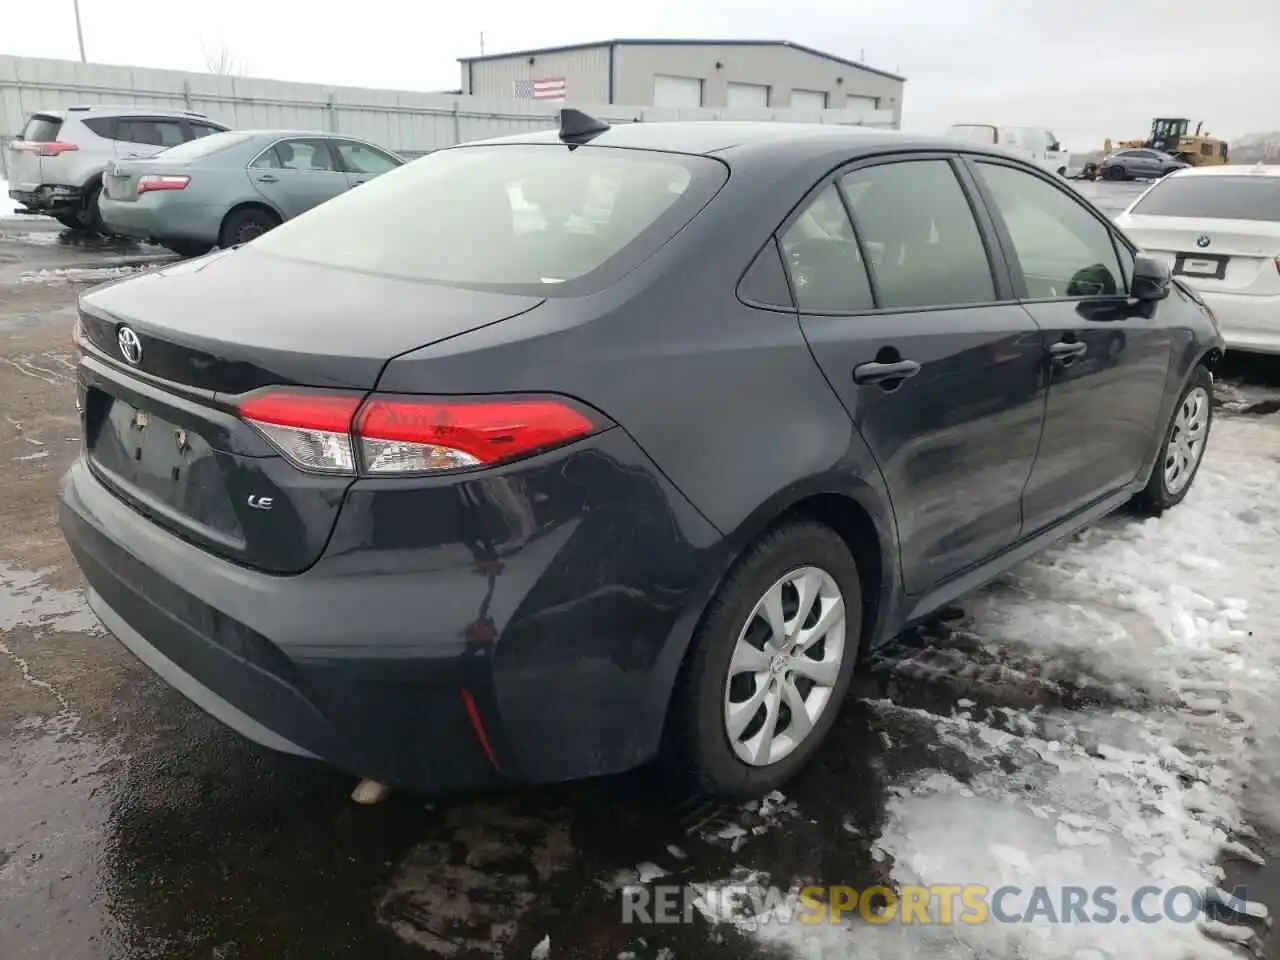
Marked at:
<point>54,148</point>
<point>415,435</point>
<point>152,182</point>
<point>404,435</point>
<point>1277,264</point>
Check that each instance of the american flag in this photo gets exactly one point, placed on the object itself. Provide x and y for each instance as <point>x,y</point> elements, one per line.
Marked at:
<point>550,89</point>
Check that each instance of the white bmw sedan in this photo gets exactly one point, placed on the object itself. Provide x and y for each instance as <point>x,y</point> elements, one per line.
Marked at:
<point>1219,229</point>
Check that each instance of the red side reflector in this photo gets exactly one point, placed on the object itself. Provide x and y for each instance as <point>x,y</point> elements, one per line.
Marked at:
<point>477,724</point>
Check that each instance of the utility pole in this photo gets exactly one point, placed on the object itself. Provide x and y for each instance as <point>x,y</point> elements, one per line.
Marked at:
<point>481,41</point>
<point>79,29</point>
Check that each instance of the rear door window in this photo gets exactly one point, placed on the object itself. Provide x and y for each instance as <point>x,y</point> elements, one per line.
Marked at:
<point>41,128</point>
<point>920,235</point>
<point>152,131</point>
<point>103,126</point>
<point>1063,249</point>
<point>1213,197</point>
<point>824,260</point>
<point>514,217</point>
<point>305,155</point>
<point>362,158</point>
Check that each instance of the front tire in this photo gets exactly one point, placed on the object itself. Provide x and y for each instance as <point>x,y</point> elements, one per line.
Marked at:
<point>1182,451</point>
<point>1114,173</point>
<point>771,663</point>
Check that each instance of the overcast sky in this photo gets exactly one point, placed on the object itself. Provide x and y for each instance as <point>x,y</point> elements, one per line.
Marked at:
<point>1087,69</point>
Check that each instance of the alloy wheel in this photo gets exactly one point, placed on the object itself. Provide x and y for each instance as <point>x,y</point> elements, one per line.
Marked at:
<point>1186,439</point>
<point>784,666</point>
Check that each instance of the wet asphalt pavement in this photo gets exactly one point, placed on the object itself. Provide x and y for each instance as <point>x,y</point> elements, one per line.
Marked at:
<point>132,826</point>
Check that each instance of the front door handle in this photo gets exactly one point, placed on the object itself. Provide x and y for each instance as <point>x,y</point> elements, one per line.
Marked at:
<point>869,373</point>
<point>1067,349</point>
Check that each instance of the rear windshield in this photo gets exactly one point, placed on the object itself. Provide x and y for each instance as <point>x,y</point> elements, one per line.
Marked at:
<point>1214,198</point>
<point>526,218</point>
<point>41,129</point>
<point>203,147</point>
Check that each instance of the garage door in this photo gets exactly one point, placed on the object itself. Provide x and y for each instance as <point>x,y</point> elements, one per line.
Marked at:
<point>861,104</point>
<point>752,95</point>
<point>677,91</point>
<point>808,100</point>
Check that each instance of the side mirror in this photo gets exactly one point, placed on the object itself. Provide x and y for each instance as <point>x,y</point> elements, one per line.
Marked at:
<point>1151,279</point>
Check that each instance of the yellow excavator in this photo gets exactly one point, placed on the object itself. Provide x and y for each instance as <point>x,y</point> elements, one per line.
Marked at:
<point>1169,134</point>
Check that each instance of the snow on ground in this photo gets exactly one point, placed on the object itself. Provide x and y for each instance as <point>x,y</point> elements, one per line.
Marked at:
<point>7,206</point>
<point>1156,642</point>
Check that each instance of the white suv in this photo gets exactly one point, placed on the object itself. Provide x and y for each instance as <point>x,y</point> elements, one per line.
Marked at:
<point>56,163</point>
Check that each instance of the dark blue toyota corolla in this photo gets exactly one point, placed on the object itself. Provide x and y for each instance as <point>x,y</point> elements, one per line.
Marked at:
<point>540,457</point>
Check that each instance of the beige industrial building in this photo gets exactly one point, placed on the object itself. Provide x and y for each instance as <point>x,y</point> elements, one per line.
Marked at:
<point>687,73</point>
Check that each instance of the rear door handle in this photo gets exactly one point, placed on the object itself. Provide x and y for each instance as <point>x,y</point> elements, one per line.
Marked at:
<point>1067,349</point>
<point>268,178</point>
<point>870,373</point>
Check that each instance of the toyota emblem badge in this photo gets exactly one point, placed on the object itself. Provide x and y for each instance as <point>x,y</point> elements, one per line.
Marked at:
<point>130,345</point>
<point>1202,240</point>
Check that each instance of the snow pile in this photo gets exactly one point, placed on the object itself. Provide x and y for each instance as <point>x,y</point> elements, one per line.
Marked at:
<point>7,207</point>
<point>80,274</point>
<point>1170,625</point>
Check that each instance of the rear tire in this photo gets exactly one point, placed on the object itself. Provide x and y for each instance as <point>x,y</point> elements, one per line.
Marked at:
<point>745,677</point>
<point>241,226</point>
<point>1182,450</point>
<point>91,212</point>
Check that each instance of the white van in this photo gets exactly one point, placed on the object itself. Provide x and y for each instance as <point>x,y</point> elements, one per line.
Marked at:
<point>1032,143</point>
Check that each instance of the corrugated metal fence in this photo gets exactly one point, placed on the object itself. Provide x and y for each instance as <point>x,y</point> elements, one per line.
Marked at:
<point>406,121</point>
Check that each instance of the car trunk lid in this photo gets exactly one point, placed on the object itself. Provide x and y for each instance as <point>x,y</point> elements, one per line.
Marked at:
<point>1225,256</point>
<point>170,356</point>
<point>27,153</point>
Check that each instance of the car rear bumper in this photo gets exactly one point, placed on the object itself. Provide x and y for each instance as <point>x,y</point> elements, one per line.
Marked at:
<point>162,216</point>
<point>49,198</point>
<point>438,662</point>
<point>1247,323</point>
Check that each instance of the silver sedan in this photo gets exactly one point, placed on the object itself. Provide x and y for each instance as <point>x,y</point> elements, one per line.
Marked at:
<point>227,188</point>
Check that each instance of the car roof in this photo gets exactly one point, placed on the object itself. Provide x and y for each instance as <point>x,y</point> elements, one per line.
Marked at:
<point>739,138</point>
<point>299,133</point>
<point>1233,170</point>
<point>134,109</point>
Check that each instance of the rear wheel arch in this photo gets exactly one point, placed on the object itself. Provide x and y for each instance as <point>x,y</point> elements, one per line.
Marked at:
<point>247,206</point>
<point>851,519</point>
<point>839,518</point>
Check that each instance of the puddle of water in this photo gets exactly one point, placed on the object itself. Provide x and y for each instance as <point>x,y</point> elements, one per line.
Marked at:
<point>52,827</point>
<point>26,601</point>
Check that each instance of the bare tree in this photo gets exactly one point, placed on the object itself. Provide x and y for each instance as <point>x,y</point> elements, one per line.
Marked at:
<point>220,60</point>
